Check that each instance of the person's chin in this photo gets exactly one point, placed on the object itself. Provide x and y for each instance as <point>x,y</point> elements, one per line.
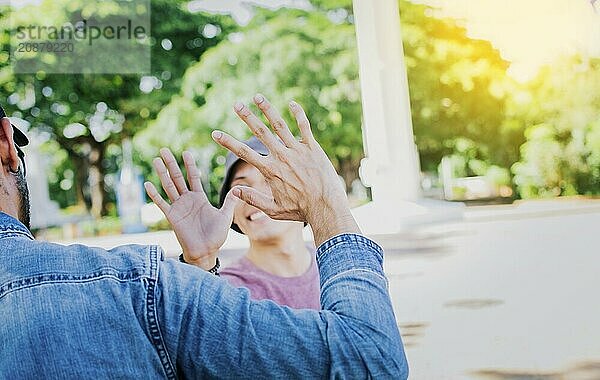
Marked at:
<point>265,229</point>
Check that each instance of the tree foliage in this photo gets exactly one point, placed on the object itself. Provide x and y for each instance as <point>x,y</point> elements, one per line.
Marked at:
<point>457,84</point>
<point>561,108</point>
<point>463,103</point>
<point>89,115</point>
<point>288,55</point>
<point>458,89</point>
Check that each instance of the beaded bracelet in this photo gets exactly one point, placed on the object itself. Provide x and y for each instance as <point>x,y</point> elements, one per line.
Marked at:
<point>214,270</point>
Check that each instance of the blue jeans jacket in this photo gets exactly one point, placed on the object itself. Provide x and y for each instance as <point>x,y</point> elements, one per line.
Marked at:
<point>85,313</point>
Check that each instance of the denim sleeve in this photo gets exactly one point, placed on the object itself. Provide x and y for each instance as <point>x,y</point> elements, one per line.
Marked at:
<point>214,330</point>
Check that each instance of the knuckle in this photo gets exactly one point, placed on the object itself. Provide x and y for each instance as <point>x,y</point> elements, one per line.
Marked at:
<point>249,198</point>
<point>265,106</point>
<point>267,170</point>
<point>261,132</point>
<point>243,152</point>
<point>280,214</point>
<point>245,112</point>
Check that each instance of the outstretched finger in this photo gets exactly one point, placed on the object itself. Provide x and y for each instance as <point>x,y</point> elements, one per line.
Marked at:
<point>302,121</point>
<point>257,199</point>
<point>243,151</point>
<point>229,204</point>
<point>174,170</point>
<point>192,172</point>
<point>156,198</point>
<point>165,179</point>
<point>258,128</point>
<point>277,123</point>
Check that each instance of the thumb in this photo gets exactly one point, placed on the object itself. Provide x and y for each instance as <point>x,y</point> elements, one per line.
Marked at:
<point>229,204</point>
<point>255,198</point>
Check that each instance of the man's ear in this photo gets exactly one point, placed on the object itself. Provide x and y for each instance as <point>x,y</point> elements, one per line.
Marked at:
<point>8,152</point>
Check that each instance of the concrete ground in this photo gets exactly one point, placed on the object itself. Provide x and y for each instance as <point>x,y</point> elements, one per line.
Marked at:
<point>511,292</point>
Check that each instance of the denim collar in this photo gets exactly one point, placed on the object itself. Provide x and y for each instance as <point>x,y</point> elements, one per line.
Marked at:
<point>11,226</point>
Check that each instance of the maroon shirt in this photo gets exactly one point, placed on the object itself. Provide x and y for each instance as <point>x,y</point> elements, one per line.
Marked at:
<point>301,292</point>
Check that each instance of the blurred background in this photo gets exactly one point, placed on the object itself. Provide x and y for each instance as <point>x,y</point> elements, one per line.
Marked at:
<point>505,109</point>
<point>504,95</point>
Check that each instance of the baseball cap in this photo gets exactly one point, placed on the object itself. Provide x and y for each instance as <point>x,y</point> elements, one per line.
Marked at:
<point>230,162</point>
<point>19,137</point>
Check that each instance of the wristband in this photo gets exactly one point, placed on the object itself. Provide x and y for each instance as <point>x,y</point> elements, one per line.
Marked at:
<point>214,270</point>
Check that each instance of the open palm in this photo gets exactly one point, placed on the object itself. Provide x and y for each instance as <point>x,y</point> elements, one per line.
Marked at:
<point>201,229</point>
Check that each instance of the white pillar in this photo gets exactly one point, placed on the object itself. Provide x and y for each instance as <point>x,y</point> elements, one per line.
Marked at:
<point>391,167</point>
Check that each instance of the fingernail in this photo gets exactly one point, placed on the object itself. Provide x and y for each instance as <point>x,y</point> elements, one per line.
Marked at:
<point>293,104</point>
<point>258,98</point>
<point>217,135</point>
<point>237,192</point>
<point>238,106</point>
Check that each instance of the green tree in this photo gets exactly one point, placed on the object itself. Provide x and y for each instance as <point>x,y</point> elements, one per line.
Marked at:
<point>561,111</point>
<point>458,89</point>
<point>458,85</point>
<point>89,115</point>
<point>291,54</point>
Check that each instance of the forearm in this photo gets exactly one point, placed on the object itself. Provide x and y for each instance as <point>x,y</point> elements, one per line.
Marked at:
<point>354,335</point>
<point>354,290</point>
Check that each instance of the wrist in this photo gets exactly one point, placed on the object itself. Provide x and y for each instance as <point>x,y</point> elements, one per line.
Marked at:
<point>331,220</point>
<point>205,262</point>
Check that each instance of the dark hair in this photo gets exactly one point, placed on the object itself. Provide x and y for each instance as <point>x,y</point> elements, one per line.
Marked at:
<point>25,207</point>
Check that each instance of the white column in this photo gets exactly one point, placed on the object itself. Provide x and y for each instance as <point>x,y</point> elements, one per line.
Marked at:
<point>391,167</point>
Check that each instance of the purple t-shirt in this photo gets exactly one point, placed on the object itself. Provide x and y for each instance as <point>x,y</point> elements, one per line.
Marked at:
<point>301,292</point>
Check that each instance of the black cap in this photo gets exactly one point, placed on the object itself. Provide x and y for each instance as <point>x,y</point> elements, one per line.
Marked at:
<point>19,137</point>
<point>230,163</point>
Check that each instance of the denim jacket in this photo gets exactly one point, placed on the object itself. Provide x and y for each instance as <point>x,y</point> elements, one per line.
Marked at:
<point>75,312</point>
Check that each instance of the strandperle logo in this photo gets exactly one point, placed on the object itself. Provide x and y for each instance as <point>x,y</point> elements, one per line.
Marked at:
<point>81,31</point>
<point>92,36</point>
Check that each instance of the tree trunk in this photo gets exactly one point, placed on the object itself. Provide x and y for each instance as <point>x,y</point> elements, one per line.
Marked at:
<point>349,172</point>
<point>87,156</point>
<point>96,180</point>
<point>81,167</point>
<point>81,170</point>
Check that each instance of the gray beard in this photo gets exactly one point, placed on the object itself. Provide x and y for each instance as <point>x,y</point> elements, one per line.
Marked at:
<point>25,209</point>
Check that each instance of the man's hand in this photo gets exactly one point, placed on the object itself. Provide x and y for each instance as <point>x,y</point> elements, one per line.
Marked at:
<point>303,182</point>
<point>200,228</point>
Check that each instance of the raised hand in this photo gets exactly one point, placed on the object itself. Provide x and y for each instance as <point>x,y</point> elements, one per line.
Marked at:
<point>303,182</point>
<point>200,228</point>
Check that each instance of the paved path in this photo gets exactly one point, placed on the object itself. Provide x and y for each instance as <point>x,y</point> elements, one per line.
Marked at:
<point>504,297</point>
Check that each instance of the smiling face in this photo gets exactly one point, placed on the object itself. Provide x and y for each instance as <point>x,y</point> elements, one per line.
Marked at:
<point>253,222</point>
